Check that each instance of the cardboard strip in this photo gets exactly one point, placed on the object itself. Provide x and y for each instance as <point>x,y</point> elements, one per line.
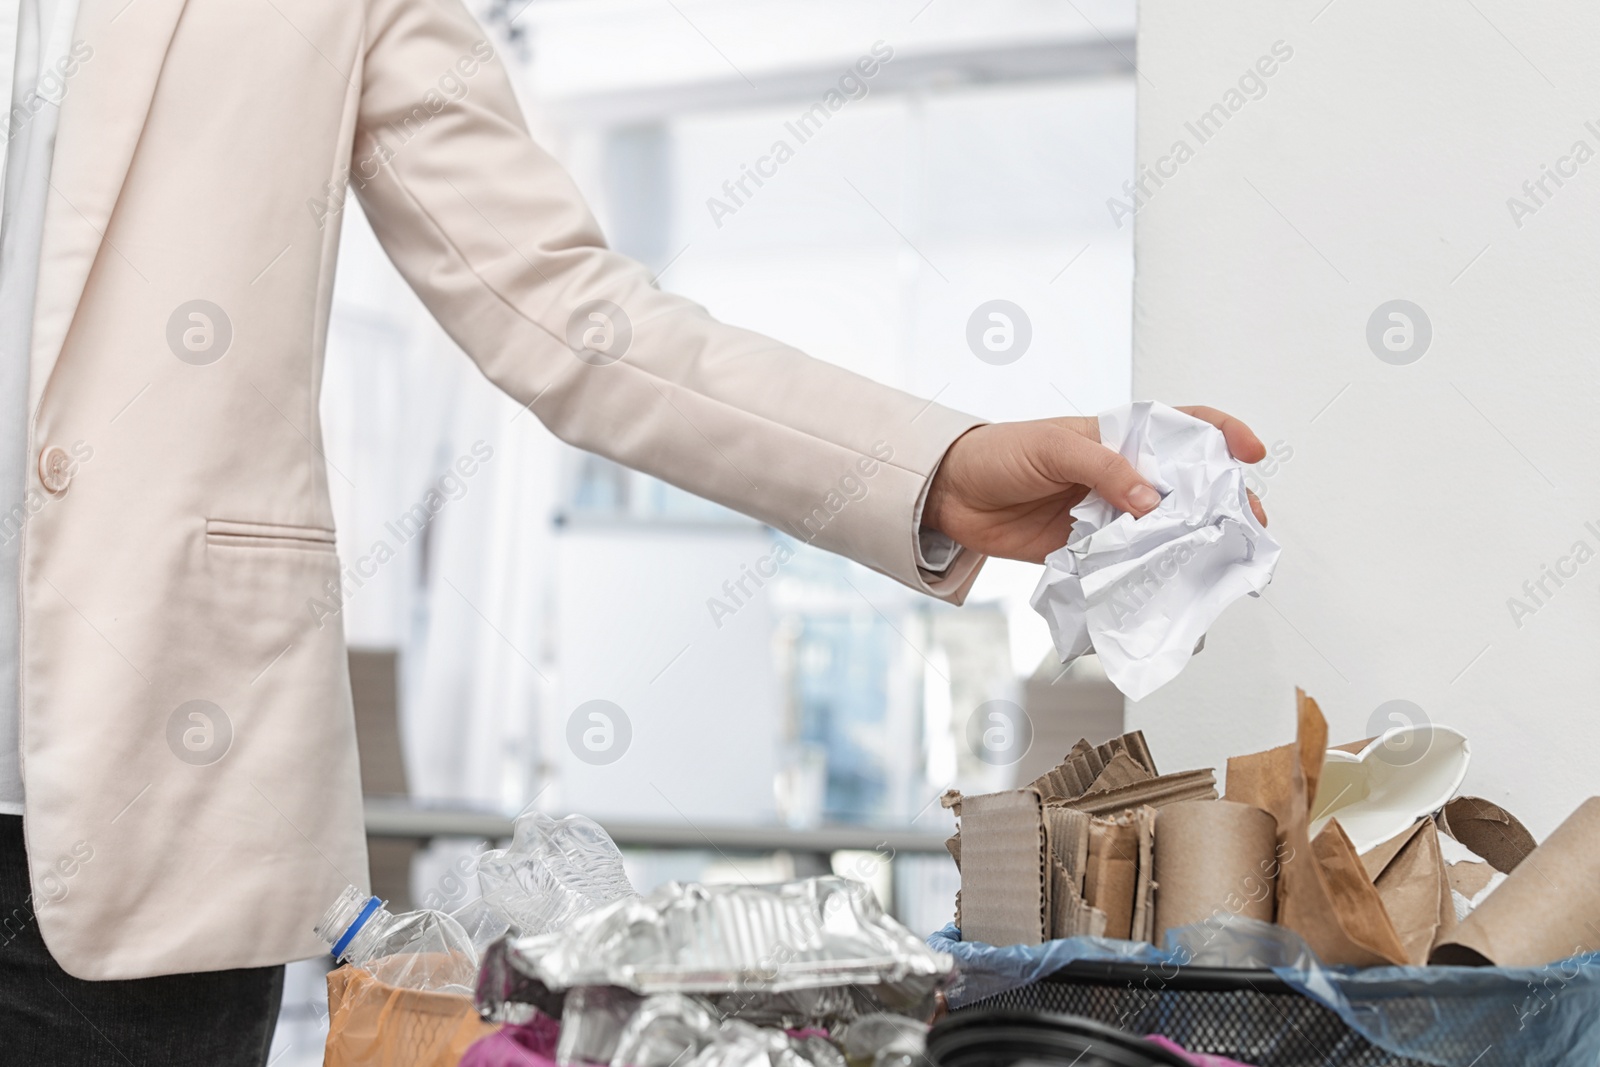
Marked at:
<point>1121,771</point>
<point>1156,792</point>
<point>1070,914</point>
<point>1113,871</point>
<point>1004,877</point>
<point>1144,886</point>
<point>1547,909</point>
<point>1069,841</point>
<point>1213,857</point>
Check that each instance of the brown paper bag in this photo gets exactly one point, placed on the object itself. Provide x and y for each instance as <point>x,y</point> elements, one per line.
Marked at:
<point>1376,858</point>
<point>374,1024</point>
<point>1415,890</point>
<point>1324,894</point>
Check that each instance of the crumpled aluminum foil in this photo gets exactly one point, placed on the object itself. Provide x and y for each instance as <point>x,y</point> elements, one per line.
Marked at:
<point>616,1027</point>
<point>799,952</point>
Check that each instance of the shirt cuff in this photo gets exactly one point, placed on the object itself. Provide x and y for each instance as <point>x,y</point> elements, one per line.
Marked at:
<point>935,551</point>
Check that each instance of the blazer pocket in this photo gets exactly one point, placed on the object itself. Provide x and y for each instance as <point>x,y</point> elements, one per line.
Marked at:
<point>228,534</point>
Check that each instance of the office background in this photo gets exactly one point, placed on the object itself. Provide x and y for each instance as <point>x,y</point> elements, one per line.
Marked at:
<point>975,164</point>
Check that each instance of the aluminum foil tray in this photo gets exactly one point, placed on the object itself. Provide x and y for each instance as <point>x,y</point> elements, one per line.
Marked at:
<point>737,940</point>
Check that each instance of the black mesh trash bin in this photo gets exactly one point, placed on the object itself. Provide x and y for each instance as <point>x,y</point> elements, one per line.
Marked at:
<point>1250,1016</point>
<point>1275,1005</point>
<point>997,1038</point>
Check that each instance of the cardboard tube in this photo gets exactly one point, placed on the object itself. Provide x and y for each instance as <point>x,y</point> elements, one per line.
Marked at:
<point>1489,830</point>
<point>1213,857</point>
<point>1546,910</point>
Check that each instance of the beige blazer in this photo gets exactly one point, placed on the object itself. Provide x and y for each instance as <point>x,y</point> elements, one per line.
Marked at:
<point>189,752</point>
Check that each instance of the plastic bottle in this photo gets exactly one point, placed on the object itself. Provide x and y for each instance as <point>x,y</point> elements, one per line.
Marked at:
<point>554,871</point>
<point>413,950</point>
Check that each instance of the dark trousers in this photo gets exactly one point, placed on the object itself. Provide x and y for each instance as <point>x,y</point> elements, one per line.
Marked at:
<point>50,1019</point>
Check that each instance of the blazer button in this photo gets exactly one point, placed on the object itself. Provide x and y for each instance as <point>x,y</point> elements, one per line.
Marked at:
<point>55,469</point>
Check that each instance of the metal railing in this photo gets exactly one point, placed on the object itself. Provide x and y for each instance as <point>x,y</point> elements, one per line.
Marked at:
<point>397,818</point>
<point>408,820</point>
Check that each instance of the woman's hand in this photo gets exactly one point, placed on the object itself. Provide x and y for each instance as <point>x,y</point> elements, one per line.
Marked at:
<point>1008,489</point>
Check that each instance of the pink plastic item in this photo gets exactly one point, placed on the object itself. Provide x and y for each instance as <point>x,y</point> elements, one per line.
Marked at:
<point>1199,1059</point>
<point>531,1044</point>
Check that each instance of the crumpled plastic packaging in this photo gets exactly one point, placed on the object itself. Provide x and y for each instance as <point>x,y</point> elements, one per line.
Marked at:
<point>554,871</point>
<point>592,1022</point>
<point>885,1040</point>
<point>1142,592</point>
<point>1541,1015</point>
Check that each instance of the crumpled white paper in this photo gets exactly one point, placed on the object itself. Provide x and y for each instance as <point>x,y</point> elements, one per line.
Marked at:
<point>1142,592</point>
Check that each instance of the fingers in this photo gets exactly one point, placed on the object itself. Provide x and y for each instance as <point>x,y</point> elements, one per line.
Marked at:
<point>1079,459</point>
<point>1255,506</point>
<point>1242,441</point>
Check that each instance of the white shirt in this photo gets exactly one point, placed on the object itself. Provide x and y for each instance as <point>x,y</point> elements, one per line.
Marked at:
<point>35,73</point>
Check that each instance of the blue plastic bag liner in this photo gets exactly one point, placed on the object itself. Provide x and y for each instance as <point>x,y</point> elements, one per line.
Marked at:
<point>1448,1016</point>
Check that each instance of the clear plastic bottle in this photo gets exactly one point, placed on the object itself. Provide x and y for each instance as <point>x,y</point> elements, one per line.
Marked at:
<point>412,950</point>
<point>554,871</point>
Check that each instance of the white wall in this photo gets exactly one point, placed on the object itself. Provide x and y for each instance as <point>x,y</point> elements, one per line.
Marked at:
<point>1420,497</point>
<point>700,699</point>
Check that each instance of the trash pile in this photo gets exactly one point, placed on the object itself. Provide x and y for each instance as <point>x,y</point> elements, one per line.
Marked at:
<point>560,961</point>
<point>1364,851</point>
<point>794,973</point>
<point>1360,856</point>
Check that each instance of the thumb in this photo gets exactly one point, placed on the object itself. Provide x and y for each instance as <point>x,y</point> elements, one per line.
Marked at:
<point>1093,464</point>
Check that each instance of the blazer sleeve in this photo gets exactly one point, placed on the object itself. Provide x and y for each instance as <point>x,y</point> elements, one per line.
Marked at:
<point>497,241</point>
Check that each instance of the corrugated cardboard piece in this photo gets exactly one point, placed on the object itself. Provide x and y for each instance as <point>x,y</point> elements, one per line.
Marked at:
<point>1070,914</point>
<point>1122,771</point>
<point>1547,909</point>
<point>1117,879</point>
<point>1077,774</point>
<point>1155,792</point>
<point>1324,894</point>
<point>1022,875</point>
<point>1144,887</point>
<point>1069,838</point>
<point>1005,870</point>
<point>1048,868</point>
<point>1118,776</point>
